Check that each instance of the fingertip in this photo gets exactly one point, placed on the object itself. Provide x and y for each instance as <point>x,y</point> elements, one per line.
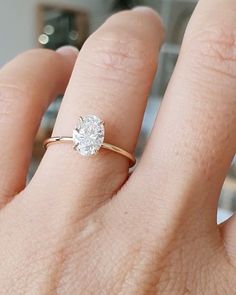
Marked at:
<point>67,56</point>
<point>69,52</point>
<point>145,10</point>
<point>148,11</point>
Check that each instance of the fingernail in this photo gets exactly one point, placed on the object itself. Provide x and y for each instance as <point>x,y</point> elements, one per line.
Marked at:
<point>68,49</point>
<point>144,9</point>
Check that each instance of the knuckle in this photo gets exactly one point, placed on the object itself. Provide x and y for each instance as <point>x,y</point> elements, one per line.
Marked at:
<point>214,48</point>
<point>32,58</point>
<point>40,53</point>
<point>120,51</point>
<point>12,90</point>
<point>9,94</point>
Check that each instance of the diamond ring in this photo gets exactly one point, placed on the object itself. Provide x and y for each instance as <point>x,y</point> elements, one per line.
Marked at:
<point>88,138</point>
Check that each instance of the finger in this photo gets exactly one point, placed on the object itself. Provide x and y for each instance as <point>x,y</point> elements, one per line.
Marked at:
<point>194,138</point>
<point>27,85</point>
<point>111,79</point>
<point>229,235</point>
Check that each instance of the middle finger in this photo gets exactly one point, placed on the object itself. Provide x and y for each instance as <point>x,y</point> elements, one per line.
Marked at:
<point>194,141</point>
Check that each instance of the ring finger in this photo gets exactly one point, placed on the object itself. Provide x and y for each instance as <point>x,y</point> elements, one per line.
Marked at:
<point>111,79</point>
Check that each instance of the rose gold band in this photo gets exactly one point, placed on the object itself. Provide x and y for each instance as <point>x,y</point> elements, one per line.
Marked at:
<point>108,146</point>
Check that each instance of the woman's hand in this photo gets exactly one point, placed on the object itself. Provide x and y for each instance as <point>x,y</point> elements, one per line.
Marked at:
<point>80,227</point>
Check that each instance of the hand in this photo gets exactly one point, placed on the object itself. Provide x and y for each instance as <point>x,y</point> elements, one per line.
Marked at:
<point>81,226</point>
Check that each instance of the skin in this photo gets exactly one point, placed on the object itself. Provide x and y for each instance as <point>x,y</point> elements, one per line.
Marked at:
<point>81,226</point>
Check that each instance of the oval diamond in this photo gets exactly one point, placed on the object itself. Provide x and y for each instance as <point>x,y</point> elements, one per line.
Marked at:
<point>88,136</point>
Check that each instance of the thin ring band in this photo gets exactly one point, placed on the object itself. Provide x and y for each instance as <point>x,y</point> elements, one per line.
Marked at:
<point>108,146</point>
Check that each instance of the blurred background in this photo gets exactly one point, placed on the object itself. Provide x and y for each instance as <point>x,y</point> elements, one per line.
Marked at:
<point>28,24</point>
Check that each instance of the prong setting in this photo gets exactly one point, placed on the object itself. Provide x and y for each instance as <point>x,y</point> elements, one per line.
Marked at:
<point>79,123</point>
<point>88,135</point>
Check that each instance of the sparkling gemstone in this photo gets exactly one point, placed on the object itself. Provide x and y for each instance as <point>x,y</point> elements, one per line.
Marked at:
<point>88,136</point>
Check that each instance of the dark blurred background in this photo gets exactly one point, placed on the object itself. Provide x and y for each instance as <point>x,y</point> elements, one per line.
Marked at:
<point>27,24</point>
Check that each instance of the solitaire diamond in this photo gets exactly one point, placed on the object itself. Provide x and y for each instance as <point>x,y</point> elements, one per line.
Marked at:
<point>88,136</point>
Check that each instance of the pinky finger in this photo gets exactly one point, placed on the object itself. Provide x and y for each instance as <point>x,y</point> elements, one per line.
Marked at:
<point>27,86</point>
